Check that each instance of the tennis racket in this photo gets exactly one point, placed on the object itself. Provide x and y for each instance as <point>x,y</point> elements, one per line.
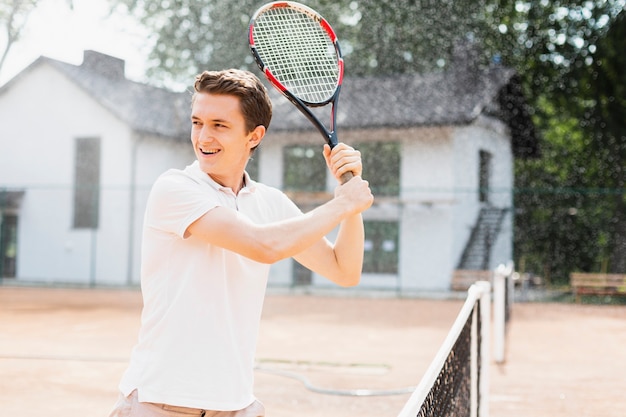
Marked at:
<point>298,51</point>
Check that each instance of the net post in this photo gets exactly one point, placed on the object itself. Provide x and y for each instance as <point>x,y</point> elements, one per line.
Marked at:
<point>417,402</point>
<point>475,371</point>
<point>510,291</point>
<point>469,333</point>
<point>485,356</point>
<point>501,303</point>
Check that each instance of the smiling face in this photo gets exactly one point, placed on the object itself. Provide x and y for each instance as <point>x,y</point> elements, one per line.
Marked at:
<point>220,140</point>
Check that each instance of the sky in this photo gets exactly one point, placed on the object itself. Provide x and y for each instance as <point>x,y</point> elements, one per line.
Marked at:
<point>55,31</point>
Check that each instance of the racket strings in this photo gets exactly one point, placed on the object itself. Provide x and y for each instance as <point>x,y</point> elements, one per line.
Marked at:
<point>299,53</point>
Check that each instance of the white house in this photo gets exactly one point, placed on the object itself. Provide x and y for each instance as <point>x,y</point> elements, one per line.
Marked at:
<point>80,147</point>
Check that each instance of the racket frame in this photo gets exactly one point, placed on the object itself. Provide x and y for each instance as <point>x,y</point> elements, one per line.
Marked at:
<point>329,134</point>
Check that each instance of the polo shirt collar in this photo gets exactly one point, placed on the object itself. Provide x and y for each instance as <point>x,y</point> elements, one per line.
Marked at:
<point>248,186</point>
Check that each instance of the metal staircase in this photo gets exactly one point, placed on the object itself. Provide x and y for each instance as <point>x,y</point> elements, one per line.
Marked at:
<point>477,252</point>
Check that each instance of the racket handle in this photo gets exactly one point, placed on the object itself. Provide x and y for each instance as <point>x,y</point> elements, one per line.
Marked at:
<point>346,176</point>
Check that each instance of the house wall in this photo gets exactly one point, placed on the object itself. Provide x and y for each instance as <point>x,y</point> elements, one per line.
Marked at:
<point>490,135</point>
<point>153,157</point>
<point>270,157</point>
<point>41,114</point>
<point>438,204</point>
<point>427,198</point>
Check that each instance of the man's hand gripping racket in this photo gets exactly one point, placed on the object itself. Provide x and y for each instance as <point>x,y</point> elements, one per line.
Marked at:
<point>298,52</point>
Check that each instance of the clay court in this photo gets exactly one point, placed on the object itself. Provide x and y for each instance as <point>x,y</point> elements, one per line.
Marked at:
<point>62,353</point>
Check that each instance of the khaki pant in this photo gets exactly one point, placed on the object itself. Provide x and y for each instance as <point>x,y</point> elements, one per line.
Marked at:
<point>131,407</point>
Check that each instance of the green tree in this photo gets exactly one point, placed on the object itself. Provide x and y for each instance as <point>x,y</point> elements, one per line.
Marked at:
<point>558,221</point>
<point>190,36</point>
<point>571,202</point>
<point>377,36</point>
<point>386,37</point>
<point>569,57</point>
<point>601,107</point>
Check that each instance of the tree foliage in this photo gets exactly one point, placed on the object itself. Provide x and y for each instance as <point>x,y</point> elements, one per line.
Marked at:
<point>605,121</point>
<point>13,17</point>
<point>189,36</point>
<point>569,55</point>
<point>572,200</point>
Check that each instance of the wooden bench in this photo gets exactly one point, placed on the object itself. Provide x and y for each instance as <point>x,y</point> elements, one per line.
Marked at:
<point>462,279</point>
<point>597,284</point>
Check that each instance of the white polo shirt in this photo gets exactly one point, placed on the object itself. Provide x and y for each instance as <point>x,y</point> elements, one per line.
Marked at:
<point>202,303</point>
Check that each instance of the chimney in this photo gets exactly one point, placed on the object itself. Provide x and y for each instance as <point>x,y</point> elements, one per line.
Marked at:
<point>103,64</point>
<point>465,65</point>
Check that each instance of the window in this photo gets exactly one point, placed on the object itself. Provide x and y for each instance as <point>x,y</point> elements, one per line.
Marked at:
<point>253,165</point>
<point>8,245</point>
<point>87,183</point>
<point>381,247</point>
<point>381,167</point>
<point>484,175</point>
<point>304,168</point>
<point>301,274</point>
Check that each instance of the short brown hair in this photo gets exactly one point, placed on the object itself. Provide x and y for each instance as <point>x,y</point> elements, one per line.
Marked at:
<point>255,102</point>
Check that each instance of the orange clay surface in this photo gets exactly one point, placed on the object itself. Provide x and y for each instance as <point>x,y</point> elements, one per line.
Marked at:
<point>63,351</point>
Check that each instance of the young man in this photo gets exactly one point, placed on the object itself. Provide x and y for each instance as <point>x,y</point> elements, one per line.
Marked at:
<point>210,235</point>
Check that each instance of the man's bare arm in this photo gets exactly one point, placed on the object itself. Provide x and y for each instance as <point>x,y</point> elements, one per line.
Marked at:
<point>269,243</point>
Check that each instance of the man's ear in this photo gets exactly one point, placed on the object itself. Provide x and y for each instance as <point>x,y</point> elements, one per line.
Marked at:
<point>256,136</point>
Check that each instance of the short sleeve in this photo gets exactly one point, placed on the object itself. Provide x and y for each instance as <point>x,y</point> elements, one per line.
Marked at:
<point>176,201</point>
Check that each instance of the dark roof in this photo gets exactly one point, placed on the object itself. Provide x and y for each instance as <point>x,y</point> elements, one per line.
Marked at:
<point>437,99</point>
<point>454,97</point>
<point>410,100</point>
<point>146,109</point>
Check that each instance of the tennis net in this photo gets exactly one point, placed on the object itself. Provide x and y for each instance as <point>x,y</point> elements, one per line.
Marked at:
<point>456,383</point>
